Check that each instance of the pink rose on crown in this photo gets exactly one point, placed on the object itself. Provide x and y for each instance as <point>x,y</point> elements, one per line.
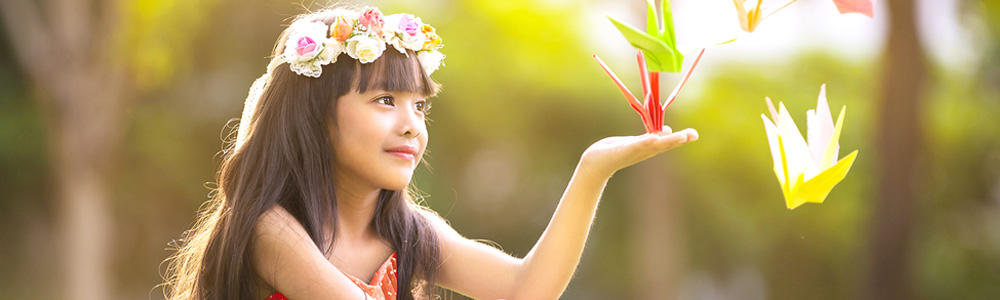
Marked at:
<point>371,19</point>
<point>307,48</point>
<point>403,31</point>
<point>408,24</point>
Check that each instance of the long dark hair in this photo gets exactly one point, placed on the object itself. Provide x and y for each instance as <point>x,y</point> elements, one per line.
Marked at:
<point>286,158</point>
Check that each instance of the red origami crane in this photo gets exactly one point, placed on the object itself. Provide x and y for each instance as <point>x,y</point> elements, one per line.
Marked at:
<point>650,110</point>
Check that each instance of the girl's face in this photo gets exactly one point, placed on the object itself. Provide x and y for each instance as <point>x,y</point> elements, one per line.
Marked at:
<point>379,138</point>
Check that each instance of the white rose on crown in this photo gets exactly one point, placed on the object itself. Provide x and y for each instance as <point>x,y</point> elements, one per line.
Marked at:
<point>365,48</point>
<point>307,48</point>
<point>430,60</point>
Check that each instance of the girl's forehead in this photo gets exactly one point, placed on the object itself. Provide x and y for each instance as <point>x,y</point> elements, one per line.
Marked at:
<point>394,72</point>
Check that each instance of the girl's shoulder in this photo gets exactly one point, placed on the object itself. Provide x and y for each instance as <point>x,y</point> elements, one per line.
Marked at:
<point>275,227</point>
<point>439,224</point>
<point>277,231</point>
<point>277,220</point>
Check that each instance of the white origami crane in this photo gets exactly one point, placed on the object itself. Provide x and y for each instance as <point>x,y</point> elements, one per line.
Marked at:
<point>807,172</point>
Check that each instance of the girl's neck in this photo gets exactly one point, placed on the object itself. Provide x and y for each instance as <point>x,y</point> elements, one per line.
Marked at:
<point>355,209</point>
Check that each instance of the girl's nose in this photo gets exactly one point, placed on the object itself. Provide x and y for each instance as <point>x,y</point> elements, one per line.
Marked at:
<point>410,123</point>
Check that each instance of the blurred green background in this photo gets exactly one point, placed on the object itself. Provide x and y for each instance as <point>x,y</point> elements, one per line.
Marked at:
<point>112,116</point>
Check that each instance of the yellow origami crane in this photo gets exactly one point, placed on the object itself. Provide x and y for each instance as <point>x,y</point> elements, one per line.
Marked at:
<point>807,172</point>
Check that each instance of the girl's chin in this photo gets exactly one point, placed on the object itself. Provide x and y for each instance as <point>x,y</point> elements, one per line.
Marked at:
<point>397,184</point>
<point>392,178</point>
<point>395,187</point>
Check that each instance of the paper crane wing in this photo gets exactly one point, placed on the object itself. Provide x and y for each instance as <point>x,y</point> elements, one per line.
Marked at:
<point>659,42</point>
<point>865,7</point>
<point>817,188</point>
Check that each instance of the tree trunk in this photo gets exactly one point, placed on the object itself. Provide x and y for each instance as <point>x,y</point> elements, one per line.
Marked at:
<point>899,141</point>
<point>63,47</point>
<point>657,233</point>
<point>87,139</point>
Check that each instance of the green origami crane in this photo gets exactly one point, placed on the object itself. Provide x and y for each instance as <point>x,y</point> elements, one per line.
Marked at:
<point>658,43</point>
<point>807,171</point>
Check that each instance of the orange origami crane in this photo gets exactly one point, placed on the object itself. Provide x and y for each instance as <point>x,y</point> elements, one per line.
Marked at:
<point>749,19</point>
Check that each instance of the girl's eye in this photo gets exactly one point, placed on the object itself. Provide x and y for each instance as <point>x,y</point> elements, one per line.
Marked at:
<point>423,107</point>
<point>387,100</point>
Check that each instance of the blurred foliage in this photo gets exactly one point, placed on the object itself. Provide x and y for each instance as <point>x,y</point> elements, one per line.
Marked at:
<point>981,18</point>
<point>520,103</point>
<point>156,35</point>
<point>25,205</point>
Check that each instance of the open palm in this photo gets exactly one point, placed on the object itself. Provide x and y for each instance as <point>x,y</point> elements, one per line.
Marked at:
<point>611,154</point>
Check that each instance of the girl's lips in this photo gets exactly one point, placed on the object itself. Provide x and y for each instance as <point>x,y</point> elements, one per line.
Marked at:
<point>406,152</point>
<point>402,155</point>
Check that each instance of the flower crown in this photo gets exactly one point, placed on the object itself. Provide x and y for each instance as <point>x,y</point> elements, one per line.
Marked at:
<point>363,36</point>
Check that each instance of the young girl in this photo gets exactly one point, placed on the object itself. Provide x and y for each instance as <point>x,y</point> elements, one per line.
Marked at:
<point>312,197</point>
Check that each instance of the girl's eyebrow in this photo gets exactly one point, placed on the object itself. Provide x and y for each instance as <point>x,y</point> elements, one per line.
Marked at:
<point>418,96</point>
<point>375,94</point>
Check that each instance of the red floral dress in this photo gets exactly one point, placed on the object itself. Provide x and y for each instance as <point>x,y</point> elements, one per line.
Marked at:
<point>382,286</point>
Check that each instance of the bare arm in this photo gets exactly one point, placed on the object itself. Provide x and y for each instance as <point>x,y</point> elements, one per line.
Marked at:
<point>286,258</point>
<point>484,272</point>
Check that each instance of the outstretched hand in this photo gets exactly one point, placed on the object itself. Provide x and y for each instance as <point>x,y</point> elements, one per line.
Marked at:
<point>607,156</point>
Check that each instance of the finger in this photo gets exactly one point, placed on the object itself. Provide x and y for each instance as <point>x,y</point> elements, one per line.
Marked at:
<point>645,138</point>
<point>665,131</point>
<point>661,142</point>
<point>692,134</point>
<point>650,145</point>
<point>676,139</point>
<point>645,143</point>
<point>655,143</point>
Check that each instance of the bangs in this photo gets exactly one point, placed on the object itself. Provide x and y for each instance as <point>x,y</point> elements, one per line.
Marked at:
<point>395,72</point>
